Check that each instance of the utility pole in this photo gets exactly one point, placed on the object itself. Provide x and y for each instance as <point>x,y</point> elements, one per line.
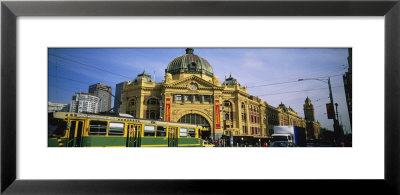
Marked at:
<point>336,127</point>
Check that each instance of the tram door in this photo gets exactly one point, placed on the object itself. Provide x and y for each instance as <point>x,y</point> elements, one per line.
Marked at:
<point>172,136</point>
<point>134,137</point>
<point>75,133</point>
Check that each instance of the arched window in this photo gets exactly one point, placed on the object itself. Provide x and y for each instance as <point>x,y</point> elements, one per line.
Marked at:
<point>192,66</point>
<point>152,101</point>
<point>132,107</point>
<point>132,102</point>
<point>132,112</point>
<point>194,119</point>
<point>152,115</point>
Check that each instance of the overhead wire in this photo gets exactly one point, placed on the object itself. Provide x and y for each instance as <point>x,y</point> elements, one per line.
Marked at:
<point>298,91</point>
<point>306,73</point>
<point>61,77</point>
<point>89,65</point>
<point>292,81</point>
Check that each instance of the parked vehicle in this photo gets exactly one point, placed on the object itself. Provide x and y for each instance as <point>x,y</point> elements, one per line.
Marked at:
<point>296,135</point>
<point>282,144</point>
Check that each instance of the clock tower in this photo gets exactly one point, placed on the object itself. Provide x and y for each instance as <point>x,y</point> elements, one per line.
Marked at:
<point>309,110</point>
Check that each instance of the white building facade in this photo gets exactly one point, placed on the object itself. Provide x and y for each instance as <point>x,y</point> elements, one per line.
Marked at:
<point>84,103</point>
<point>57,107</point>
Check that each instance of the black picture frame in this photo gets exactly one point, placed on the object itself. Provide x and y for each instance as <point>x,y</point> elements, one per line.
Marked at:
<point>10,10</point>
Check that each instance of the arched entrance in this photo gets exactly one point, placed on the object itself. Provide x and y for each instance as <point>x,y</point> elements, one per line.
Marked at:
<point>197,119</point>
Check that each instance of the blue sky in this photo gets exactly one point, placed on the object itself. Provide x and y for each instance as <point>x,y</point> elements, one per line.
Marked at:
<point>269,73</point>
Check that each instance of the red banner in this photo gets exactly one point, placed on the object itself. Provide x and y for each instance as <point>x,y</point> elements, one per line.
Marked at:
<point>217,115</point>
<point>167,109</point>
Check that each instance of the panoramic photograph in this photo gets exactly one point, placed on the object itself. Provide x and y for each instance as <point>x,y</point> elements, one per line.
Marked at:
<point>200,97</point>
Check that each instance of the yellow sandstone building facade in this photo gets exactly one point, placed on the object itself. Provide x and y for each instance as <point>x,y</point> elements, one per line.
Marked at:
<point>191,93</point>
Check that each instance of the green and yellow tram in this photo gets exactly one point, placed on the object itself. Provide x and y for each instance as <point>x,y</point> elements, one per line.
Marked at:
<point>92,130</point>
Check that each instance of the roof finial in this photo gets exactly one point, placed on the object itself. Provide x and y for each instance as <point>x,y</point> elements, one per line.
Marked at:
<point>230,75</point>
<point>189,50</point>
<point>144,70</point>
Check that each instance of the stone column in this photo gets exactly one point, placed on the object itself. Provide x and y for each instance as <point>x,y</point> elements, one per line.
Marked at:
<point>247,118</point>
<point>140,106</point>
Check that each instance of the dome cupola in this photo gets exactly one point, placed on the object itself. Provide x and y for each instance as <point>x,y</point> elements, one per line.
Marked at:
<point>189,63</point>
<point>146,77</point>
<point>282,106</point>
<point>230,81</point>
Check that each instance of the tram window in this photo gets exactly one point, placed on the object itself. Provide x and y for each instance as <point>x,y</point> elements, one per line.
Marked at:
<point>192,132</point>
<point>161,131</point>
<point>149,130</point>
<point>57,127</point>
<point>116,129</point>
<point>183,132</point>
<point>97,127</point>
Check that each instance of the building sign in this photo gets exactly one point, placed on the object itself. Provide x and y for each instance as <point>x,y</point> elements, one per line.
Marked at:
<point>217,115</point>
<point>167,109</point>
<point>330,111</point>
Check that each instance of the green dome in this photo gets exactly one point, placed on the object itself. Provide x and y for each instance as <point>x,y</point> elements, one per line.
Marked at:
<point>147,78</point>
<point>189,63</point>
<point>282,106</point>
<point>230,81</point>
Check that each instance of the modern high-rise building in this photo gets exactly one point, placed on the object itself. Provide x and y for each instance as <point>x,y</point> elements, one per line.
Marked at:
<point>84,103</point>
<point>118,96</point>
<point>103,92</point>
<point>56,107</point>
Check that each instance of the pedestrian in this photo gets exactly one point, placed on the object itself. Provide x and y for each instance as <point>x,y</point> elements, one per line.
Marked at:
<point>265,144</point>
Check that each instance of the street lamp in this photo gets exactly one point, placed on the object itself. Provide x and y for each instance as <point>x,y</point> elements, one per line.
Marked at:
<point>336,128</point>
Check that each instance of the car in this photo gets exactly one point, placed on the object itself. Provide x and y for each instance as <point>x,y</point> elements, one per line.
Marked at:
<point>309,144</point>
<point>282,144</point>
